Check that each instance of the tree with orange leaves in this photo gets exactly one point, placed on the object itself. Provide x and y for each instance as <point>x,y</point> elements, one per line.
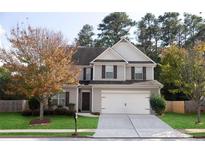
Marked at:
<point>40,62</point>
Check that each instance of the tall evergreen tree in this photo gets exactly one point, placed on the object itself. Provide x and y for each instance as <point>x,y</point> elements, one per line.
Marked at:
<point>148,34</point>
<point>85,36</point>
<point>112,28</point>
<point>194,26</point>
<point>170,24</point>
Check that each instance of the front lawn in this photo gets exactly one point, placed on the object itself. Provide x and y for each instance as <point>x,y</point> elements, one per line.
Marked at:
<point>198,135</point>
<point>183,121</point>
<point>81,134</point>
<point>17,121</point>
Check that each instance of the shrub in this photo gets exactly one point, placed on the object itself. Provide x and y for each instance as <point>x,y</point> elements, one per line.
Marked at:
<point>26,113</point>
<point>62,111</point>
<point>35,112</point>
<point>48,112</point>
<point>158,104</point>
<point>58,111</point>
<point>71,107</point>
<point>33,103</point>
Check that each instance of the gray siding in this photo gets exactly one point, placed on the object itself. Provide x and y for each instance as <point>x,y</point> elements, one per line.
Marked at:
<point>73,96</point>
<point>128,73</point>
<point>81,71</point>
<point>155,91</point>
<point>150,73</point>
<point>96,100</point>
<point>98,72</point>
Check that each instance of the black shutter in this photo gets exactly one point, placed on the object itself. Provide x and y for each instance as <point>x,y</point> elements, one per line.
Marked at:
<point>115,71</point>
<point>144,73</point>
<point>132,73</point>
<point>84,73</point>
<point>91,74</point>
<point>103,71</point>
<point>67,98</point>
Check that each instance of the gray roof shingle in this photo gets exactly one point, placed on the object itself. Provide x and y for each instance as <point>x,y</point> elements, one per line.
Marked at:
<point>84,55</point>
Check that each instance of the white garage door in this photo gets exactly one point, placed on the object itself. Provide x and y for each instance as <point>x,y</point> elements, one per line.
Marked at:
<point>130,102</point>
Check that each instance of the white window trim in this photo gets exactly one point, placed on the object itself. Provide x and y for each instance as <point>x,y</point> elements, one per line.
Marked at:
<point>88,73</point>
<point>138,73</point>
<point>111,66</point>
<point>59,98</point>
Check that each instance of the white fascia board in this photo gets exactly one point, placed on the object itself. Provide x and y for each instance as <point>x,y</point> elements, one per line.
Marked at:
<point>109,63</point>
<point>120,86</point>
<point>141,64</point>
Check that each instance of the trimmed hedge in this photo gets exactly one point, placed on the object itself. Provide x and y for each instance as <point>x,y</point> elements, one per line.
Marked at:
<point>158,104</point>
<point>58,111</point>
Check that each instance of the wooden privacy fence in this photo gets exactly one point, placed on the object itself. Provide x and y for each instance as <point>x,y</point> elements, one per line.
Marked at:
<point>182,107</point>
<point>12,105</point>
<point>175,106</point>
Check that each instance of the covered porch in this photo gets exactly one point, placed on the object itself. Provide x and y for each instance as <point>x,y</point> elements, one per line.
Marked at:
<point>80,96</point>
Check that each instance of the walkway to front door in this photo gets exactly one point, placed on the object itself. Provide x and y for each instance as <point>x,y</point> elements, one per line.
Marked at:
<point>144,126</point>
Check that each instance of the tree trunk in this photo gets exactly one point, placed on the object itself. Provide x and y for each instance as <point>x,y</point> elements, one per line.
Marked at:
<point>41,110</point>
<point>198,114</point>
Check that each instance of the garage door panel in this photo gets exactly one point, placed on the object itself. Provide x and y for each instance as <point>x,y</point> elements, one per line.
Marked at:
<point>111,104</point>
<point>130,102</point>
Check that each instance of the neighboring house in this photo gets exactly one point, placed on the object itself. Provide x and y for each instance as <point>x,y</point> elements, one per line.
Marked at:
<point>119,79</point>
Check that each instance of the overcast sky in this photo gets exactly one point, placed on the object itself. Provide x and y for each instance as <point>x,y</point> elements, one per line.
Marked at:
<point>68,23</point>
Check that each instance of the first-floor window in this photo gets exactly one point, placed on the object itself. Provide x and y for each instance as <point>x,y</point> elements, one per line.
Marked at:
<point>59,99</point>
<point>138,73</point>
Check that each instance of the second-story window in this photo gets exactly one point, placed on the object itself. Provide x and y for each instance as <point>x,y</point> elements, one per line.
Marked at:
<point>138,73</point>
<point>109,72</point>
<point>88,74</point>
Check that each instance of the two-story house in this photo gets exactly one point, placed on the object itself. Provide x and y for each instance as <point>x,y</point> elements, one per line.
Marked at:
<point>119,79</point>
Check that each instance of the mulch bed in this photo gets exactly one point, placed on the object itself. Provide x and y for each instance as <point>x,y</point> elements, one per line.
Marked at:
<point>39,122</point>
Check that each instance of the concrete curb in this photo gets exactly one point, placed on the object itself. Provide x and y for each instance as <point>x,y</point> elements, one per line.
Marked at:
<point>192,130</point>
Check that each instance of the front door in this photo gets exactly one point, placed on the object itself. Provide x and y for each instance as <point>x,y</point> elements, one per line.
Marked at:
<point>85,101</point>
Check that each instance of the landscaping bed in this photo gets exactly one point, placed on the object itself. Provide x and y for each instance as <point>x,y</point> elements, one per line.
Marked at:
<point>17,121</point>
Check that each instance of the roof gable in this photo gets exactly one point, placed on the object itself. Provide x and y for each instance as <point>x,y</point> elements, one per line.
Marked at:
<point>131,53</point>
<point>122,51</point>
<point>110,55</point>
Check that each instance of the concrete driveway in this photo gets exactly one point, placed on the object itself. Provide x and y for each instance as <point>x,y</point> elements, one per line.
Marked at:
<point>142,126</point>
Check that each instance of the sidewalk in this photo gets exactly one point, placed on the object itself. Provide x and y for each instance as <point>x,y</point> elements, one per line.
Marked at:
<point>44,130</point>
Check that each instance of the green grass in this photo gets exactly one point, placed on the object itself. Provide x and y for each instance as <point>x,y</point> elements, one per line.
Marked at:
<point>183,121</point>
<point>198,134</point>
<point>17,121</point>
<point>85,134</point>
